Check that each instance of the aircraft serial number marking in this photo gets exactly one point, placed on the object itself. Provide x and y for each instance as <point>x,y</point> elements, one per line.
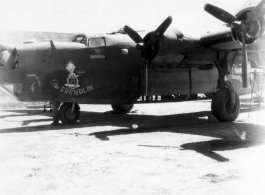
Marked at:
<point>68,91</point>
<point>97,56</point>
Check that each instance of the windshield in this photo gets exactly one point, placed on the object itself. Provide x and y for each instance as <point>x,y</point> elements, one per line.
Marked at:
<point>79,39</point>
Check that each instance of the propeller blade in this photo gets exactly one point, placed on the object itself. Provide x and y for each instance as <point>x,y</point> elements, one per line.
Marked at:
<point>160,30</point>
<point>244,61</point>
<point>259,6</point>
<point>255,13</point>
<point>220,13</point>
<point>133,34</point>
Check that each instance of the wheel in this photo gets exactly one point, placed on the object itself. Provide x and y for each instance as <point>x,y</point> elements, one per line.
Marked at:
<point>221,107</point>
<point>65,113</point>
<point>122,108</point>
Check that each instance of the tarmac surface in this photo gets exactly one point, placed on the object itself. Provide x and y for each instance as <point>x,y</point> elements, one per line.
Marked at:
<point>163,148</point>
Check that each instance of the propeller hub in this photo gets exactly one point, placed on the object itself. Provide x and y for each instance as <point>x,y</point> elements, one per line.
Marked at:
<point>140,47</point>
<point>151,50</point>
<point>149,46</point>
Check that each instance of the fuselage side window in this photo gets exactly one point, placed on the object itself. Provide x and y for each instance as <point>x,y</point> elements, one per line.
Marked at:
<point>96,42</point>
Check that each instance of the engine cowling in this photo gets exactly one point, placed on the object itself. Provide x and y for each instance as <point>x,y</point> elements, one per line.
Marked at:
<point>174,48</point>
<point>254,23</point>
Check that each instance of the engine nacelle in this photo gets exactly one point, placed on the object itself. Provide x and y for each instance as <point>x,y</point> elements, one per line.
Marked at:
<point>248,22</point>
<point>254,25</point>
<point>175,48</point>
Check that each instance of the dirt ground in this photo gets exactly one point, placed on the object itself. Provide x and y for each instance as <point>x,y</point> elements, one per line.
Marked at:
<point>165,148</point>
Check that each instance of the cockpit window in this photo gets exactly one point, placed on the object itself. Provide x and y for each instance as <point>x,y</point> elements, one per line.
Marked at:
<point>79,39</point>
<point>95,42</point>
<point>91,42</point>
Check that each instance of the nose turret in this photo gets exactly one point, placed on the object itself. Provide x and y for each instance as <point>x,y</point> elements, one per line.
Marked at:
<point>10,79</point>
<point>7,57</point>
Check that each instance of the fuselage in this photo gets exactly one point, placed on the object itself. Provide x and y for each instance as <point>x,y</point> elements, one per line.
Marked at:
<point>108,69</point>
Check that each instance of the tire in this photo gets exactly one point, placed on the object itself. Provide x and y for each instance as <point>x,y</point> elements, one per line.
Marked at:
<point>65,113</point>
<point>122,108</point>
<point>221,108</point>
<point>215,104</point>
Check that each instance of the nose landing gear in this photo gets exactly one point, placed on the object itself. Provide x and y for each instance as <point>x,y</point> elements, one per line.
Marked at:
<point>69,113</point>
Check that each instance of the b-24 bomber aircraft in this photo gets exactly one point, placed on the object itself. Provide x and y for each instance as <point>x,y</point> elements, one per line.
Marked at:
<point>119,68</point>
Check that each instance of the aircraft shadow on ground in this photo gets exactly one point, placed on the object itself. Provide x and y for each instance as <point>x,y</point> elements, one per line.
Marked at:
<point>91,119</point>
<point>146,123</point>
<point>208,148</point>
<point>196,123</point>
<point>231,135</point>
<point>24,112</point>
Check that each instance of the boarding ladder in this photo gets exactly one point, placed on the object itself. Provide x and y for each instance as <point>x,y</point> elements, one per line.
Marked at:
<point>257,88</point>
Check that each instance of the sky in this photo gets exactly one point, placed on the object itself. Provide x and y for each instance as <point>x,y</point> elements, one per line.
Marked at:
<point>85,16</point>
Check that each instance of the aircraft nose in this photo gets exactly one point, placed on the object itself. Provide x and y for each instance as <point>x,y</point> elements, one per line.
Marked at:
<point>8,74</point>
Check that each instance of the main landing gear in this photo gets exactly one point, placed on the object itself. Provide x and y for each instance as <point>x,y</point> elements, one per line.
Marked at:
<point>122,108</point>
<point>226,104</point>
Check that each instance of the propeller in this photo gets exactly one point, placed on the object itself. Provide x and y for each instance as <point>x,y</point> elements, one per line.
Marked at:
<point>149,47</point>
<point>248,25</point>
<point>160,30</point>
<point>249,21</point>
